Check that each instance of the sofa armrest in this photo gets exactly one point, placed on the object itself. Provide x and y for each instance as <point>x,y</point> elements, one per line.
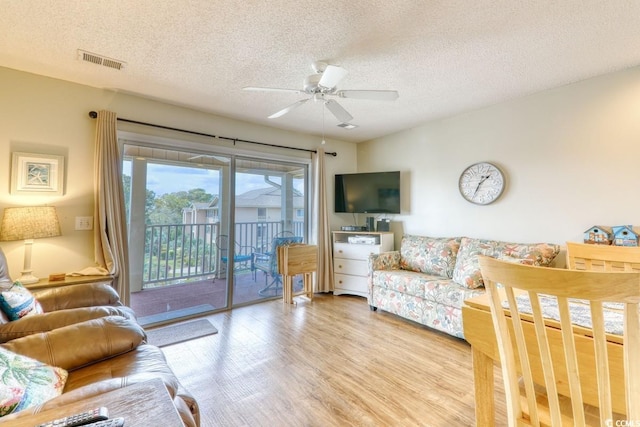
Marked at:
<point>384,261</point>
<point>74,346</point>
<point>44,322</point>
<point>74,296</point>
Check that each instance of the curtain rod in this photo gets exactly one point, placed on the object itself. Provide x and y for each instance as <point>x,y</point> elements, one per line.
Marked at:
<point>94,114</point>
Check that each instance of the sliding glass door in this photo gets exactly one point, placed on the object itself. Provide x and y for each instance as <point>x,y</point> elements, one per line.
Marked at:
<point>172,200</point>
<point>202,226</point>
<point>269,203</point>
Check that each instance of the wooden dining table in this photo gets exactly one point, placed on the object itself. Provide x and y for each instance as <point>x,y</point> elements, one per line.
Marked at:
<point>480,333</point>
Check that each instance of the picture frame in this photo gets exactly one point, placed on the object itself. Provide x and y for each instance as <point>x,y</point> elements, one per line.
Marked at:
<point>37,174</point>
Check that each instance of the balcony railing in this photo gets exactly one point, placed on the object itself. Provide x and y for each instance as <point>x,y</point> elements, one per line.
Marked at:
<point>175,253</point>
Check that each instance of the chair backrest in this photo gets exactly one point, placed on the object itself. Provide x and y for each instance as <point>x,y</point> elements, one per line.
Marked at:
<point>582,256</point>
<point>276,242</point>
<point>222,243</point>
<point>557,358</point>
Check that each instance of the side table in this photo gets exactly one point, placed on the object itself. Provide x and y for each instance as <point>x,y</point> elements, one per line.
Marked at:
<point>293,260</point>
<point>68,281</point>
<point>146,404</point>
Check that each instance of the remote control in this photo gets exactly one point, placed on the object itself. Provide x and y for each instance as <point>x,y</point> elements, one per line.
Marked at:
<point>80,419</point>
<point>113,422</point>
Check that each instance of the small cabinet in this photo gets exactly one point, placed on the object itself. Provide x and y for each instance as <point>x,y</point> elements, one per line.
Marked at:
<point>351,252</point>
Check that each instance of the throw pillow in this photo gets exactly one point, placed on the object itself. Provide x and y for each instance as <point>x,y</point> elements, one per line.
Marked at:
<point>17,302</point>
<point>26,382</point>
<point>429,255</point>
<point>467,270</point>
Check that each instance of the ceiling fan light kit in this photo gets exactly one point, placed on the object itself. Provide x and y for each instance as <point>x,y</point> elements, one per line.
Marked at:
<point>311,83</point>
<point>347,126</point>
<point>323,84</point>
<point>318,67</point>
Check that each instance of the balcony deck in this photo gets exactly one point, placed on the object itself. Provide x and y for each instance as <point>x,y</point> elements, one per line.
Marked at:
<point>191,256</point>
<point>162,304</point>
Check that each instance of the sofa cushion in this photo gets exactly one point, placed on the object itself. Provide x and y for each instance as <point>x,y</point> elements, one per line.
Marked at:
<point>143,363</point>
<point>18,301</point>
<point>430,255</point>
<point>109,336</point>
<point>432,288</point>
<point>467,269</point>
<point>438,316</point>
<point>27,382</point>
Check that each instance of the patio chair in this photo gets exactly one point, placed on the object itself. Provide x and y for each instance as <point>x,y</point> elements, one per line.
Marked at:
<point>268,263</point>
<point>243,256</point>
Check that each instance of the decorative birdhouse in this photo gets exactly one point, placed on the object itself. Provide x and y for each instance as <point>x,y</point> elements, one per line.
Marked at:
<point>598,235</point>
<point>623,235</point>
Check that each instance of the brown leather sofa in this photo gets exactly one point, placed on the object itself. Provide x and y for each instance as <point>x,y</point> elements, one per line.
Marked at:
<point>86,330</point>
<point>120,357</point>
<point>62,306</point>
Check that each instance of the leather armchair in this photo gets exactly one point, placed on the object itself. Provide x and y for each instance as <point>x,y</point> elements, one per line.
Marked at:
<point>62,306</point>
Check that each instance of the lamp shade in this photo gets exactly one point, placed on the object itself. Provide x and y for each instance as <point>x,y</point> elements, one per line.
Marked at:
<point>33,222</point>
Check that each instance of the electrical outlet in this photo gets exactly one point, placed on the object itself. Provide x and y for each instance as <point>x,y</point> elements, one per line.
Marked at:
<point>84,223</point>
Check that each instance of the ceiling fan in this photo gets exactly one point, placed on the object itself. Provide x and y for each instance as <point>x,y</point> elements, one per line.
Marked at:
<point>322,86</point>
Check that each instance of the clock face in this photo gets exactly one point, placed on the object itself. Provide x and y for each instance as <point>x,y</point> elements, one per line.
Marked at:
<point>481,183</point>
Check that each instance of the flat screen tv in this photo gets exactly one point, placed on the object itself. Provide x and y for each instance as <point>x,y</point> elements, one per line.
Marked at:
<point>373,192</point>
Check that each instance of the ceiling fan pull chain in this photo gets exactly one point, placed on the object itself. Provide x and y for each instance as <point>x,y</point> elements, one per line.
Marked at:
<point>323,141</point>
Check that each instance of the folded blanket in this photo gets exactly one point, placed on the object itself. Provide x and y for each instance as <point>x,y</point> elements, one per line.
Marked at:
<point>90,271</point>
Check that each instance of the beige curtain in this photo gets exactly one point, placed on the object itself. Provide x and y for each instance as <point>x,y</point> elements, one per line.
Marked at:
<point>110,231</point>
<point>320,223</point>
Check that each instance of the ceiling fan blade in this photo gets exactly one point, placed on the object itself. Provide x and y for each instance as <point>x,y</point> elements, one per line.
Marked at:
<point>376,95</point>
<point>340,113</point>
<point>289,108</point>
<point>332,76</point>
<point>270,89</point>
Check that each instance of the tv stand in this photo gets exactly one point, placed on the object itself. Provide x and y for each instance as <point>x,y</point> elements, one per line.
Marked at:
<point>351,250</point>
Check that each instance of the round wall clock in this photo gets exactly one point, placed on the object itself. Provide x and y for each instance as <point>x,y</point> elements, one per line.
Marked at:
<point>481,183</point>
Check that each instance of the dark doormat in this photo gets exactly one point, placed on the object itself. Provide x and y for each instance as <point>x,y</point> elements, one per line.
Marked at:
<point>181,332</point>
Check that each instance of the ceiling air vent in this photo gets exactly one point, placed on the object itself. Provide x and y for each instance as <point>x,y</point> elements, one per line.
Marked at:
<point>94,58</point>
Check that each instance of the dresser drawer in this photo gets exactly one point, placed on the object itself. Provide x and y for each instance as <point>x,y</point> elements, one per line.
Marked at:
<point>350,266</point>
<point>347,250</point>
<point>351,283</point>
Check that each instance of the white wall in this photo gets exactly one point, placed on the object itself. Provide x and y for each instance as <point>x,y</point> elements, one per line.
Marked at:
<point>43,115</point>
<point>571,157</point>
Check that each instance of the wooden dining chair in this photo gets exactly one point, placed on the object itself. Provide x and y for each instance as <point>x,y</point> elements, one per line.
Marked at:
<point>557,355</point>
<point>582,256</point>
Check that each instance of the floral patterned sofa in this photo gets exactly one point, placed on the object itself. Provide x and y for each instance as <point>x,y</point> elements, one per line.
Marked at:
<point>428,278</point>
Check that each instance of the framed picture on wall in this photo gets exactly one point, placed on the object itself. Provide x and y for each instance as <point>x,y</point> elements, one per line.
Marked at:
<point>38,174</point>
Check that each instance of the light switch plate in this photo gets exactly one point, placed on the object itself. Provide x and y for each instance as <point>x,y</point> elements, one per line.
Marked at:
<point>84,223</point>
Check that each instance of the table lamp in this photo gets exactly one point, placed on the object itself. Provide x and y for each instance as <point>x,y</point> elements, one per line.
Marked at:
<point>28,223</point>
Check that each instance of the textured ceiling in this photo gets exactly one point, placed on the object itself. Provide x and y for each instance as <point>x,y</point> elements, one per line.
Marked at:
<point>443,57</point>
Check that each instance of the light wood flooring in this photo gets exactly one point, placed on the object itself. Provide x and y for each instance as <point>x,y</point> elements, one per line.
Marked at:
<point>330,362</point>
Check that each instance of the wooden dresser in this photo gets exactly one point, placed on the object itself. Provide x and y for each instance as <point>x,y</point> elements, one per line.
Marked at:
<point>351,252</point>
